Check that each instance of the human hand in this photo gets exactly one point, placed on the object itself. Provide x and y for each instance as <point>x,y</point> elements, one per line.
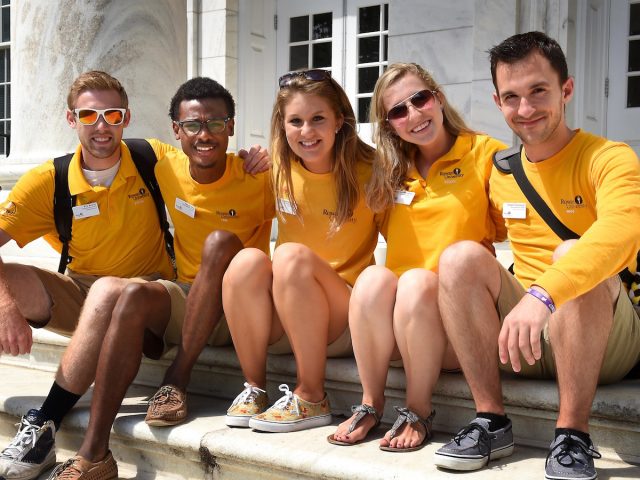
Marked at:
<point>256,159</point>
<point>521,332</point>
<point>15,333</point>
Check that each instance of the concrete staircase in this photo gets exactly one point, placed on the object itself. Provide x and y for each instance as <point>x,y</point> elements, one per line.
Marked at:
<point>205,448</point>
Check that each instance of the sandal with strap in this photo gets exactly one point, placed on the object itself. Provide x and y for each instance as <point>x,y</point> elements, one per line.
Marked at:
<point>407,416</point>
<point>361,411</point>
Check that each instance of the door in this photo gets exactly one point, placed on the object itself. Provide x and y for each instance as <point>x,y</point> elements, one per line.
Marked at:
<point>623,106</point>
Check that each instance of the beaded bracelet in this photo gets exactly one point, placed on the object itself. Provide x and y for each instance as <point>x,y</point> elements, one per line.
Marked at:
<point>543,298</point>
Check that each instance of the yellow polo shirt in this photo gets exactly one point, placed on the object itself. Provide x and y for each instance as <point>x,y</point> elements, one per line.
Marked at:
<point>593,186</point>
<point>350,249</point>
<point>450,205</point>
<point>237,202</point>
<point>122,238</point>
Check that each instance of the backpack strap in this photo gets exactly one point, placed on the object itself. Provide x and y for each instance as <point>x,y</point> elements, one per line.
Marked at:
<point>63,203</point>
<point>144,158</point>
<point>501,158</point>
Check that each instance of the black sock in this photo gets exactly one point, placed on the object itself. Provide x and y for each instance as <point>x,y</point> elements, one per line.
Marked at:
<point>58,403</point>
<point>496,422</point>
<point>585,437</point>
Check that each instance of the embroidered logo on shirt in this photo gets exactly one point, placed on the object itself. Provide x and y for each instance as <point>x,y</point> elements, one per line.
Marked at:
<point>570,205</point>
<point>136,197</point>
<point>452,175</point>
<point>8,210</point>
<point>329,213</point>
<point>224,216</point>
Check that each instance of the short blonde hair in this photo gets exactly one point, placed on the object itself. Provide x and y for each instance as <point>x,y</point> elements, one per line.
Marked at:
<point>95,80</point>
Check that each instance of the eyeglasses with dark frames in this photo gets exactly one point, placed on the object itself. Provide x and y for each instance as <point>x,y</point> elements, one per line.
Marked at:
<point>194,127</point>
<point>421,99</point>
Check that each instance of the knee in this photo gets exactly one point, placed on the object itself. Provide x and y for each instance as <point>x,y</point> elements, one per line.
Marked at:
<point>131,309</point>
<point>417,292</point>
<point>107,288</point>
<point>373,284</point>
<point>465,259</point>
<point>249,268</point>
<point>220,246</point>
<point>562,249</point>
<point>292,260</point>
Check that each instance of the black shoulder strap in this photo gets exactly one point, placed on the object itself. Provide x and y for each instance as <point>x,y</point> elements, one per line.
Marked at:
<point>501,158</point>
<point>145,160</point>
<point>559,228</point>
<point>63,203</point>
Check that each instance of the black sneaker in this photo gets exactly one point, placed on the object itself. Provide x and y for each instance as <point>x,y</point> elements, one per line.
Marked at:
<point>31,451</point>
<point>571,458</point>
<point>474,446</point>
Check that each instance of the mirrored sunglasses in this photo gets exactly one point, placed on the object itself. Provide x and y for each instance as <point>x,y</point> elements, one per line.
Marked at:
<point>89,116</point>
<point>315,75</point>
<point>194,127</point>
<point>421,99</point>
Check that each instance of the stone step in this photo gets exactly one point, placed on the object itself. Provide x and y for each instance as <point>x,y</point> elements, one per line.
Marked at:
<point>532,405</point>
<point>204,447</point>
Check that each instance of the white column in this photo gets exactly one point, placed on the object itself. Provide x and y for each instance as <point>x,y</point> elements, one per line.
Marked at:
<point>142,43</point>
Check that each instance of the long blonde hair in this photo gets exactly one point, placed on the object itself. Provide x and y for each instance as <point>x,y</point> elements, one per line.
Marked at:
<point>349,149</point>
<point>394,156</point>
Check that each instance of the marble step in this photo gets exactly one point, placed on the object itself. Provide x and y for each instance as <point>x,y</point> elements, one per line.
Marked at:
<point>532,405</point>
<point>204,448</point>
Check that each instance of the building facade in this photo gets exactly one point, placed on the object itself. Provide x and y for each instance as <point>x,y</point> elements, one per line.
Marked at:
<point>154,45</point>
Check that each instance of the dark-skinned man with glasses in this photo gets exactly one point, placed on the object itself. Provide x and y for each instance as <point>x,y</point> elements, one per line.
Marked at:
<point>116,243</point>
<point>217,209</point>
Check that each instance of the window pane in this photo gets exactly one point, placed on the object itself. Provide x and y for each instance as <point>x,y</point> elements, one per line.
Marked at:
<point>363,109</point>
<point>368,49</point>
<point>299,29</point>
<point>6,30</point>
<point>8,101</point>
<point>298,57</point>
<point>633,92</point>
<point>5,2</point>
<point>634,55</point>
<point>386,16</point>
<point>2,65</point>
<point>369,19</point>
<point>385,47</point>
<point>322,27</point>
<point>367,79</point>
<point>322,55</point>
<point>2,104</point>
<point>634,19</point>
<point>8,65</point>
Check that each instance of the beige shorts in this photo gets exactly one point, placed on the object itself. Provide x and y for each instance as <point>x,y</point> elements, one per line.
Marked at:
<point>178,292</point>
<point>623,348</point>
<point>340,347</point>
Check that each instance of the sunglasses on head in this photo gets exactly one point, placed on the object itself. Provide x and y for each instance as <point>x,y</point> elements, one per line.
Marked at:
<point>421,99</point>
<point>194,127</point>
<point>315,75</point>
<point>89,116</point>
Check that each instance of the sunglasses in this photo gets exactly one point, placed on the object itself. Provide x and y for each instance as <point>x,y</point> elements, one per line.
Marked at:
<point>194,127</point>
<point>315,75</point>
<point>89,116</point>
<point>421,99</point>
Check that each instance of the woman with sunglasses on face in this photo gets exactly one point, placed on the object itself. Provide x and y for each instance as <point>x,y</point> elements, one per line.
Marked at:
<point>298,302</point>
<point>432,171</point>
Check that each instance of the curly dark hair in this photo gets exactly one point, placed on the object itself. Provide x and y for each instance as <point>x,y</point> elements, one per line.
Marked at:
<point>519,46</point>
<point>199,88</point>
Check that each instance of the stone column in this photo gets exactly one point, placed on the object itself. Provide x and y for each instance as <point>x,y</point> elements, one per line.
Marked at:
<point>142,43</point>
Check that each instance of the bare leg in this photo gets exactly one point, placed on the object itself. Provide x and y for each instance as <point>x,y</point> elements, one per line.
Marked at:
<point>371,323</point>
<point>204,305</point>
<point>579,332</point>
<point>469,287</point>
<point>248,306</point>
<point>424,347</point>
<point>140,307</point>
<point>313,303</point>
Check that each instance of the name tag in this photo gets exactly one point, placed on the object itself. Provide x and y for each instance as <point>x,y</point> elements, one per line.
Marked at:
<point>403,197</point>
<point>514,210</point>
<point>283,205</point>
<point>86,211</point>
<point>186,208</point>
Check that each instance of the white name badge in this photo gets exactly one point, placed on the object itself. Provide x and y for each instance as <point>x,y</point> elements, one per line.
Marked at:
<point>514,210</point>
<point>186,208</point>
<point>403,197</point>
<point>283,205</point>
<point>86,211</point>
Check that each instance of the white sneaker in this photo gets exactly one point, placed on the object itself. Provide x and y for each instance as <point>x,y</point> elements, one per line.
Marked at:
<point>31,451</point>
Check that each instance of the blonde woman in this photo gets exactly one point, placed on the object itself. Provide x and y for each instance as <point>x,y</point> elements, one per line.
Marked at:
<point>432,171</point>
<point>298,302</point>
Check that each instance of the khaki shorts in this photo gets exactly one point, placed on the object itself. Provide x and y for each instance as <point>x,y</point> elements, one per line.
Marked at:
<point>67,293</point>
<point>178,292</point>
<point>623,347</point>
<point>340,347</point>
